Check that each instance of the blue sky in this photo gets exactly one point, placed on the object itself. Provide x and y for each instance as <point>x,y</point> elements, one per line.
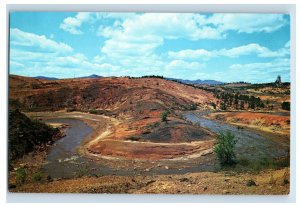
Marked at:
<point>225,47</point>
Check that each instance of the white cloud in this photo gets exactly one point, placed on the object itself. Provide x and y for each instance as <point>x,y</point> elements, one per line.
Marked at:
<point>192,54</point>
<point>73,24</point>
<point>140,36</point>
<point>267,71</point>
<point>180,25</point>
<point>287,44</point>
<point>31,40</point>
<point>278,64</point>
<point>70,65</point>
<point>183,65</point>
<point>235,52</point>
<point>164,25</point>
<point>257,49</point>
<point>248,23</point>
<point>132,39</point>
<point>32,54</point>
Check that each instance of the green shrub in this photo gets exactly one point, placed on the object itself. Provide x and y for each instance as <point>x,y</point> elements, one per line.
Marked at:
<point>223,106</point>
<point>224,148</point>
<point>164,116</point>
<point>36,177</point>
<point>93,111</point>
<point>286,106</point>
<point>21,176</point>
<point>250,183</point>
<point>191,107</point>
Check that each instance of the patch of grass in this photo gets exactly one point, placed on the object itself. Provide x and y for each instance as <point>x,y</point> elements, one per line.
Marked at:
<point>261,164</point>
<point>243,162</point>
<point>21,176</point>
<point>37,176</point>
<point>81,172</point>
<point>258,122</point>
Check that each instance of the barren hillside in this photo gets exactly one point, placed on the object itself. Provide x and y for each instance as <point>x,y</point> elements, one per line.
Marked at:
<point>117,95</point>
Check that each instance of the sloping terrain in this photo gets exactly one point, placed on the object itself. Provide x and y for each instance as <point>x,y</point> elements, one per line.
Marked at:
<point>104,95</point>
<point>137,105</point>
<point>26,134</point>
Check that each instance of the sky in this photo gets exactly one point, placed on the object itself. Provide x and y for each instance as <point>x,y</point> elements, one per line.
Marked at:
<point>208,46</point>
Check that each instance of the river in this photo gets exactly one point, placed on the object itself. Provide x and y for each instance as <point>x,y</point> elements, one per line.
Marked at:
<point>250,145</point>
<point>63,160</point>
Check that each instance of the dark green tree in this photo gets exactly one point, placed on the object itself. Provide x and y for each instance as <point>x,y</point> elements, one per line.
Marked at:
<point>164,116</point>
<point>286,106</point>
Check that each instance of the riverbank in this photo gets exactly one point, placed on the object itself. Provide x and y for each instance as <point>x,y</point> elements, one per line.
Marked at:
<point>78,173</point>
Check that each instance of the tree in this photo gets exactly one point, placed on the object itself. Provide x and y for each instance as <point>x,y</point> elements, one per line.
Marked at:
<point>164,116</point>
<point>286,106</point>
<point>223,106</point>
<point>278,81</point>
<point>224,147</point>
<point>242,105</point>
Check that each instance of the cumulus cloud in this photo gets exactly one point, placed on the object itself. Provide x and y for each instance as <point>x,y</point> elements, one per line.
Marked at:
<point>235,52</point>
<point>278,64</point>
<point>30,40</point>
<point>73,24</point>
<point>133,44</point>
<point>183,65</point>
<point>37,55</point>
<point>248,23</point>
<point>142,34</point>
<point>185,25</point>
<point>267,71</point>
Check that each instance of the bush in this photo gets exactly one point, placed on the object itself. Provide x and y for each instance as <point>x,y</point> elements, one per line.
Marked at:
<point>224,148</point>
<point>191,107</point>
<point>286,106</point>
<point>21,176</point>
<point>250,183</point>
<point>223,106</point>
<point>36,177</point>
<point>164,116</point>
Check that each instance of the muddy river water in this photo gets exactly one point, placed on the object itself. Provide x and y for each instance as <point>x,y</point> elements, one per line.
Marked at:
<point>63,160</point>
<point>250,144</point>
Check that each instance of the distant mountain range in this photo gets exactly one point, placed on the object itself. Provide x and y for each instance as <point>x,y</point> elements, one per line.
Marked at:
<point>92,76</point>
<point>207,82</point>
<point>52,78</point>
<point>45,78</point>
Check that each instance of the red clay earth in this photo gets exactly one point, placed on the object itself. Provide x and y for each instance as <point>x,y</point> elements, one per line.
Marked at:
<point>137,104</point>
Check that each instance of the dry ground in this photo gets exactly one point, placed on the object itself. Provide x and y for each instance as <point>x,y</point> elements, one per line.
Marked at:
<point>265,183</point>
